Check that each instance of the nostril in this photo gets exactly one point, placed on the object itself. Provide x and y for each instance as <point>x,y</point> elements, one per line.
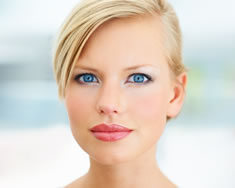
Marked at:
<point>108,103</point>
<point>107,110</point>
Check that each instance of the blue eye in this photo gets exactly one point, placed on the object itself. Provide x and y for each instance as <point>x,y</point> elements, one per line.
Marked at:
<point>90,78</point>
<point>87,78</point>
<point>140,78</point>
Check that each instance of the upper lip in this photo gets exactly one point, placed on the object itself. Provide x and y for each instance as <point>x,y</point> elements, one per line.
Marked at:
<point>109,128</point>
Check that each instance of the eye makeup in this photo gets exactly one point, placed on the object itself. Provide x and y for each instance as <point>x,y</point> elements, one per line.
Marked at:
<point>88,78</point>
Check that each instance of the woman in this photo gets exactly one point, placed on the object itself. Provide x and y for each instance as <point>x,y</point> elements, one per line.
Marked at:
<point>118,66</point>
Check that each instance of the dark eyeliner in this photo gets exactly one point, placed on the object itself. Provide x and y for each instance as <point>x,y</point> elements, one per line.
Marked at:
<point>146,75</point>
<point>76,78</point>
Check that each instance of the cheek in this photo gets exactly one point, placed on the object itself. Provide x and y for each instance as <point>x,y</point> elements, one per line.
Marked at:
<point>149,106</point>
<point>77,105</point>
<point>149,113</point>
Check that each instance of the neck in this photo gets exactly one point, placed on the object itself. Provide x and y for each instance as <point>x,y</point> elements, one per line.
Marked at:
<point>140,172</point>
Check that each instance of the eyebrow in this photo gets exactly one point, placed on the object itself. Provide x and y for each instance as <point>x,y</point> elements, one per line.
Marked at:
<point>126,69</point>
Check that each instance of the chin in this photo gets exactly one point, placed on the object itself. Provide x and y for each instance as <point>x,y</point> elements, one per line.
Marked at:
<point>110,153</point>
<point>111,158</point>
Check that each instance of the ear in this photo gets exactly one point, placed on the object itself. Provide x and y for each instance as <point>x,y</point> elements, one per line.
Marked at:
<point>177,97</point>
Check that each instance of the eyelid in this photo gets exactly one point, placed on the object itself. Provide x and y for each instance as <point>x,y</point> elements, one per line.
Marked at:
<point>137,73</point>
<point>149,78</point>
<point>78,76</point>
<point>146,75</point>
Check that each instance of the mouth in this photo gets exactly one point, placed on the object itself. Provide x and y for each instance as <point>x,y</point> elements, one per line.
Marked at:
<point>110,133</point>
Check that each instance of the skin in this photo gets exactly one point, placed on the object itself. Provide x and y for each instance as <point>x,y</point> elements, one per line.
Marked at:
<point>114,96</point>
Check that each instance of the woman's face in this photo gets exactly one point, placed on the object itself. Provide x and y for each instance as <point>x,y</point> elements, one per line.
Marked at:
<point>122,77</point>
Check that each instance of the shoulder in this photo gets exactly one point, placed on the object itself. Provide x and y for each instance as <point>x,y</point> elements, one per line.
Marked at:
<point>78,183</point>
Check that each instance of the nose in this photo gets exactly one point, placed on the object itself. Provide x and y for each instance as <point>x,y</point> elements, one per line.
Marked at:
<point>109,100</point>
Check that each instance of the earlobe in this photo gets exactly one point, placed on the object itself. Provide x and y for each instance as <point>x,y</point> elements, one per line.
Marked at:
<point>176,101</point>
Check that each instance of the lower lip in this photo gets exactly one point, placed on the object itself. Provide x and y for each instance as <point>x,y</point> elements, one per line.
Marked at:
<point>111,136</point>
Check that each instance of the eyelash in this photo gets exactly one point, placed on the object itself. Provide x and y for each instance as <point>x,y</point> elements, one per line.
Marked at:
<point>149,79</point>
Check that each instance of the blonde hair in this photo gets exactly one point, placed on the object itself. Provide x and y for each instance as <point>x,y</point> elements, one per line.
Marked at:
<point>88,15</point>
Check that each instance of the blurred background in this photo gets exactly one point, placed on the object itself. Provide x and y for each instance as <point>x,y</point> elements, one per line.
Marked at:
<point>36,146</point>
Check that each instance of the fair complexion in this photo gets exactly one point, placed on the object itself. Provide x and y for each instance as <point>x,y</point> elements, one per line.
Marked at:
<point>122,77</point>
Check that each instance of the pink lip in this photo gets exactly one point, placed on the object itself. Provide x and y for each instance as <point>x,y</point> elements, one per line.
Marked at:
<point>110,133</point>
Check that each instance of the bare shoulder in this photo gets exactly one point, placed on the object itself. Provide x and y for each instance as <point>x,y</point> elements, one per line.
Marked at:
<point>78,183</point>
<point>167,183</point>
<point>172,185</point>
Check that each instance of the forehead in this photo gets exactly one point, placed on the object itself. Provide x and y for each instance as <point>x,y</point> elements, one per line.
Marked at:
<point>126,41</point>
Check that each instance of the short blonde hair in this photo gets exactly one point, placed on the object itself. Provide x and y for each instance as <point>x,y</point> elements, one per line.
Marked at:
<point>88,15</point>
